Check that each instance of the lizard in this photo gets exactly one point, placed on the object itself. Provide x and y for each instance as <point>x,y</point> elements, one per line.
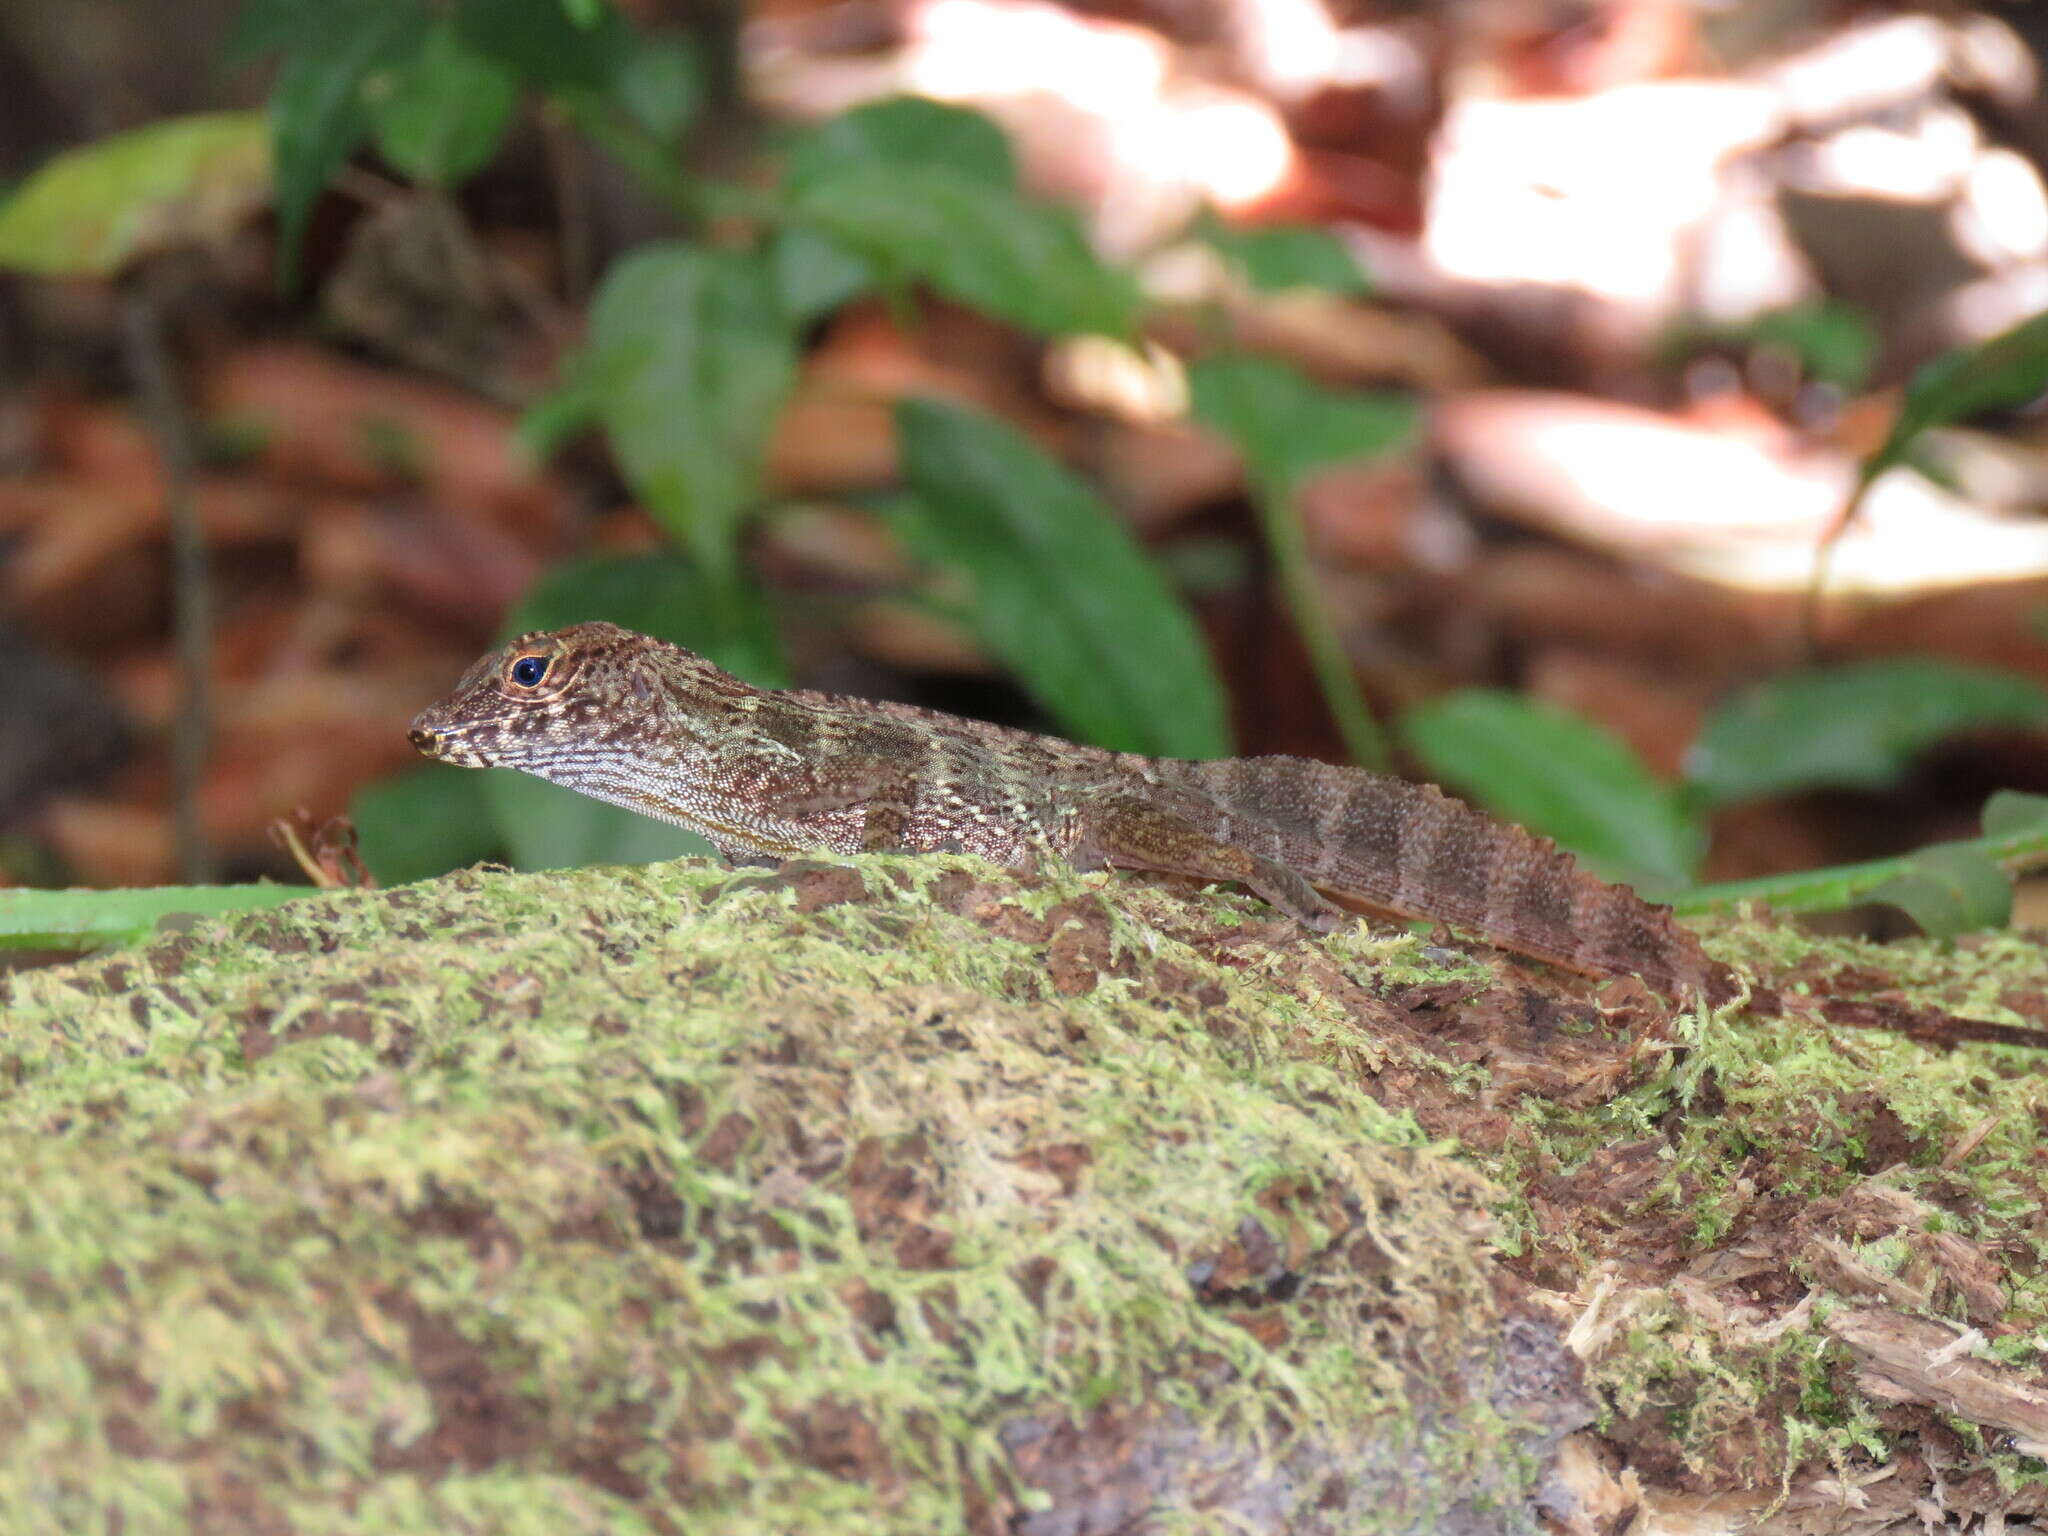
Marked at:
<point>770,774</point>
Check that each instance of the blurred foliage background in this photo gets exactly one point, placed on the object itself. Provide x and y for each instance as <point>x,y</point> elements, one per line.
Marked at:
<point>1624,412</point>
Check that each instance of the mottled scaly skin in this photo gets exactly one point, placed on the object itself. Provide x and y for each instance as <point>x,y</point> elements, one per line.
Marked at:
<point>1396,846</point>
<point>655,728</point>
<point>767,775</point>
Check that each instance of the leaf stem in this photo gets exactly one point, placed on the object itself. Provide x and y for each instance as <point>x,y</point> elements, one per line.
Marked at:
<point>655,165</point>
<point>1812,605</point>
<point>1846,885</point>
<point>571,179</point>
<point>1280,519</point>
<point>77,920</point>
<point>652,163</point>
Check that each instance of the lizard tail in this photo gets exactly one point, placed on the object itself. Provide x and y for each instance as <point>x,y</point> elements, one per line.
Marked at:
<point>1372,840</point>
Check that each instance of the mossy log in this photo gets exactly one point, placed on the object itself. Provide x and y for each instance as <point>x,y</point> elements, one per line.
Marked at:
<point>903,1196</point>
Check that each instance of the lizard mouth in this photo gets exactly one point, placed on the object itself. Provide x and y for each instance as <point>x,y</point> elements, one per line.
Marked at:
<point>445,747</point>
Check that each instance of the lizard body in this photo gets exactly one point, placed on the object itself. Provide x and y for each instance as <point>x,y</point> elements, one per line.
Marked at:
<point>771,774</point>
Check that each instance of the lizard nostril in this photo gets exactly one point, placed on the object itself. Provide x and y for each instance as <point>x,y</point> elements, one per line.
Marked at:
<point>425,741</point>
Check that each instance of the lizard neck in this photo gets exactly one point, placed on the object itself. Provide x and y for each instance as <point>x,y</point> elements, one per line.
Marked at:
<point>664,734</point>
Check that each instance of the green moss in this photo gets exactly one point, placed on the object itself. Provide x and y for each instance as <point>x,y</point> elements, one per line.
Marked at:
<point>684,1199</point>
<point>1782,1141</point>
<point>566,1202</point>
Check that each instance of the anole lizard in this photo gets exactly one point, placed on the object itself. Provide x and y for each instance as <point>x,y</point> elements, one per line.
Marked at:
<point>767,774</point>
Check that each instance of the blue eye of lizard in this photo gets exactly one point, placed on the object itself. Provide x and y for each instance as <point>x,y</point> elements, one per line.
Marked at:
<point>528,671</point>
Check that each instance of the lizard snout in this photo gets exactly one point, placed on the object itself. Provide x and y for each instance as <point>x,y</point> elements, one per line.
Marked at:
<point>452,745</point>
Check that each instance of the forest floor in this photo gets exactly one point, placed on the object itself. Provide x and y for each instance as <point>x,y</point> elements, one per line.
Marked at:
<point>905,1195</point>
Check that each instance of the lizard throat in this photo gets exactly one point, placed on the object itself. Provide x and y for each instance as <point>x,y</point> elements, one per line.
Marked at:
<point>727,835</point>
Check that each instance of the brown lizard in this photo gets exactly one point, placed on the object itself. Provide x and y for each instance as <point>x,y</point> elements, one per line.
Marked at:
<point>768,774</point>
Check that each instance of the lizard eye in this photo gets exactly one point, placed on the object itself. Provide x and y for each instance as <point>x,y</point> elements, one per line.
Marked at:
<point>529,671</point>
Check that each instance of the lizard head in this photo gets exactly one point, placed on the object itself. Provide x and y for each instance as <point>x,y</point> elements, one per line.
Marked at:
<point>543,701</point>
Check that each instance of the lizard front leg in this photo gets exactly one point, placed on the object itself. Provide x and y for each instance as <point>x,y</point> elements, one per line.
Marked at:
<point>1127,833</point>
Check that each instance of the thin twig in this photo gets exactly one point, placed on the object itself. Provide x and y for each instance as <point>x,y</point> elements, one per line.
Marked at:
<point>368,187</point>
<point>572,204</point>
<point>149,364</point>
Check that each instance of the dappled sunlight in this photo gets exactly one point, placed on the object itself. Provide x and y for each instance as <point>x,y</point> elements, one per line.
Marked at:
<point>961,50</point>
<point>1100,111</point>
<point>1165,141</point>
<point>1657,194</point>
<point>1744,508</point>
<point>1602,192</point>
<point>1658,198</point>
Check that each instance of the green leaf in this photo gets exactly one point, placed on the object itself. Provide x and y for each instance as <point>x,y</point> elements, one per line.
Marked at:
<point>1021,261</point>
<point>1062,593</point>
<point>660,83</point>
<point>1287,427</point>
<point>1949,888</point>
<point>693,358</point>
<point>448,113</point>
<point>2012,813</point>
<point>1561,775</point>
<point>660,595</point>
<point>2000,374</point>
<point>904,130</point>
<point>91,211</point>
<point>265,27</point>
<point>548,827</point>
<point>543,43</point>
<point>1855,726</point>
<point>31,919</point>
<point>1278,257</point>
<point>564,411</point>
<point>1835,342</point>
<point>2016,837</point>
<point>320,108</point>
<point>423,823</point>
<point>1831,341</point>
<point>814,275</point>
<point>584,13</point>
